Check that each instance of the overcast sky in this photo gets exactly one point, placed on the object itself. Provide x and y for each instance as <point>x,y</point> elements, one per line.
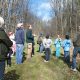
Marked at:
<point>41,8</point>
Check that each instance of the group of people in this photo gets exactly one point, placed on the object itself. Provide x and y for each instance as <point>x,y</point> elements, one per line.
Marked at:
<point>15,45</point>
<point>66,44</point>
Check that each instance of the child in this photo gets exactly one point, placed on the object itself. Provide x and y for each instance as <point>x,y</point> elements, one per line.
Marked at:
<point>66,46</point>
<point>47,44</point>
<point>57,44</point>
<point>12,37</point>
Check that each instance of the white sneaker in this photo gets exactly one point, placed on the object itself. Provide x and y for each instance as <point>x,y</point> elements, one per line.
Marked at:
<point>75,70</point>
<point>46,61</point>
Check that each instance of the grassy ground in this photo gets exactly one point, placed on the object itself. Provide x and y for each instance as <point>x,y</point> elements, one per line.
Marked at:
<point>37,69</point>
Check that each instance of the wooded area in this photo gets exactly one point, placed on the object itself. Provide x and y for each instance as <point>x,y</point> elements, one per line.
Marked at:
<point>67,16</point>
<point>66,19</point>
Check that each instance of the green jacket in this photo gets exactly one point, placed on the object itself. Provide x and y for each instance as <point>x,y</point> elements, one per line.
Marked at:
<point>29,36</point>
<point>5,44</point>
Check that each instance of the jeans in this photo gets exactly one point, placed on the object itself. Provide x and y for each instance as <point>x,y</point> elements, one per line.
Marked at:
<point>75,52</point>
<point>19,53</point>
<point>47,54</point>
<point>41,48</point>
<point>67,56</point>
<point>2,69</point>
<point>57,52</point>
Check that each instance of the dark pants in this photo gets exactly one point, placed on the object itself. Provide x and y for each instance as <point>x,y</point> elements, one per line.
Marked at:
<point>9,61</point>
<point>2,69</point>
<point>9,57</point>
<point>67,56</point>
<point>47,54</point>
<point>75,52</point>
<point>32,50</point>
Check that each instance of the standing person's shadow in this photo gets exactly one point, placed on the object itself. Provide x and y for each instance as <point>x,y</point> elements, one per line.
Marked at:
<point>11,75</point>
<point>62,58</point>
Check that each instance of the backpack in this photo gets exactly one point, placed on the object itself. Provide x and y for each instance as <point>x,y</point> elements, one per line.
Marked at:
<point>39,41</point>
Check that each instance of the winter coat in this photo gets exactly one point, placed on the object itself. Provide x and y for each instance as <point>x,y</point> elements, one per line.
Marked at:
<point>66,44</point>
<point>5,44</point>
<point>19,36</point>
<point>29,36</point>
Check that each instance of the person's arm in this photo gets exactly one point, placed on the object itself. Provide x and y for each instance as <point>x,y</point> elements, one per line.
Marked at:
<point>44,43</point>
<point>22,36</point>
<point>6,39</point>
<point>55,42</point>
<point>63,44</point>
<point>50,42</point>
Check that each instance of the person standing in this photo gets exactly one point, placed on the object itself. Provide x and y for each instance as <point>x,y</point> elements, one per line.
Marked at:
<point>58,44</point>
<point>5,44</point>
<point>76,50</point>
<point>12,38</point>
<point>66,46</point>
<point>30,41</point>
<point>47,44</point>
<point>20,39</point>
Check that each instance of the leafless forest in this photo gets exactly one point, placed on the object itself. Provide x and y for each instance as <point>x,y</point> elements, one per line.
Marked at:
<point>66,19</point>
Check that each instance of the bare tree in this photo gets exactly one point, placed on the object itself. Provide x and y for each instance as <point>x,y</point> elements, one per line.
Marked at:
<point>67,15</point>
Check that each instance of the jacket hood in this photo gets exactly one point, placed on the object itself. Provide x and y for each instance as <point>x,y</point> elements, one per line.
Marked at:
<point>19,28</point>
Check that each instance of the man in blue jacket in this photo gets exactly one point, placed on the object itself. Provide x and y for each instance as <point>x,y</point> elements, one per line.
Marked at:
<point>19,38</point>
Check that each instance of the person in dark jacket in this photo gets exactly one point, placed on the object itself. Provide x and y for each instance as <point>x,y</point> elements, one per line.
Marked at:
<point>30,41</point>
<point>19,38</point>
<point>76,50</point>
<point>5,44</point>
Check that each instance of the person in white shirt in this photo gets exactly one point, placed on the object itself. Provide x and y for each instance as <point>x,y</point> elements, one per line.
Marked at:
<point>47,44</point>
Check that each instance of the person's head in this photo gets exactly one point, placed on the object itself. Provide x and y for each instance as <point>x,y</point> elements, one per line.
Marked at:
<point>1,21</point>
<point>29,26</point>
<point>47,36</point>
<point>19,25</point>
<point>67,36</point>
<point>10,33</point>
<point>58,36</point>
